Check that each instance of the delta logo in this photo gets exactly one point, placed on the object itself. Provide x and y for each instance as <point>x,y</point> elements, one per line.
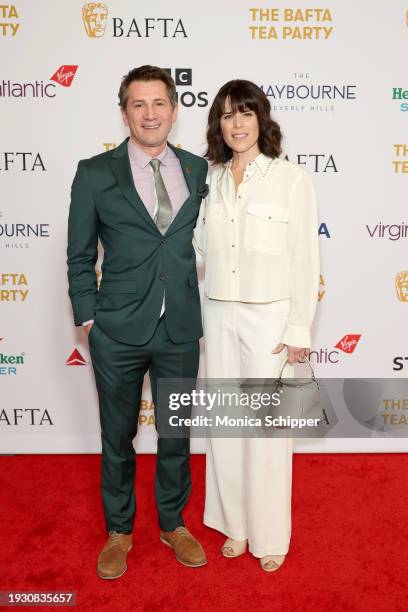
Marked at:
<point>76,359</point>
<point>63,76</point>
<point>347,345</point>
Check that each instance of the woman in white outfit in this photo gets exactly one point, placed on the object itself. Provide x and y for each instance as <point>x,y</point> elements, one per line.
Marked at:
<point>257,235</point>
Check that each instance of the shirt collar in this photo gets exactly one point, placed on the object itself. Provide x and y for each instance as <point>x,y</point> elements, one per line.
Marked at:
<point>138,156</point>
<point>261,163</point>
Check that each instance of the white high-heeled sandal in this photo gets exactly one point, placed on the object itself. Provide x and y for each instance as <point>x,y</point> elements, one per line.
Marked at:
<point>271,563</point>
<point>233,548</point>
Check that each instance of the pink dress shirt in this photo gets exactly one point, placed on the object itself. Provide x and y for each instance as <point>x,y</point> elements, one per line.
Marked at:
<point>171,172</point>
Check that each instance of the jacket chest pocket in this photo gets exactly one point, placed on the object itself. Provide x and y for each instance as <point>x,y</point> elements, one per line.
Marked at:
<point>266,228</point>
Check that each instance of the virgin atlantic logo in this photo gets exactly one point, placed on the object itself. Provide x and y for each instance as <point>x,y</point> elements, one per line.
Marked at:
<point>39,88</point>
<point>64,75</point>
<point>348,343</point>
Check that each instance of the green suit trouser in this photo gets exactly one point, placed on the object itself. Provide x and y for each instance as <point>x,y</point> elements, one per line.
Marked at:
<point>119,371</point>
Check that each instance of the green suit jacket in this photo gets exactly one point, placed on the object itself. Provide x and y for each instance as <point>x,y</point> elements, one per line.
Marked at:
<point>139,263</point>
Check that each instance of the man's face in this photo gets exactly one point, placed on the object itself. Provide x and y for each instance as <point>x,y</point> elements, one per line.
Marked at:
<point>149,114</point>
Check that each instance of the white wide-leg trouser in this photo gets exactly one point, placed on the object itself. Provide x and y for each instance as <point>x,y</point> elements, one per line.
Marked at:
<point>248,481</point>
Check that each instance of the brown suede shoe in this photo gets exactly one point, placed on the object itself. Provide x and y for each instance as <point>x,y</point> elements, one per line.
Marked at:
<point>188,550</point>
<point>112,560</point>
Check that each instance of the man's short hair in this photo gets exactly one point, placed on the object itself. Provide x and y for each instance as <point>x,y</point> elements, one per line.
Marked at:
<point>147,73</point>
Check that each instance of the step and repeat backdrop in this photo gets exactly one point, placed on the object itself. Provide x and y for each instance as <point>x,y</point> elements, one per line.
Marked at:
<point>335,74</point>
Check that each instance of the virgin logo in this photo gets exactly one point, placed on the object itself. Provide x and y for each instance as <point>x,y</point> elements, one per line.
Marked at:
<point>348,343</point>
<point>64,75</point>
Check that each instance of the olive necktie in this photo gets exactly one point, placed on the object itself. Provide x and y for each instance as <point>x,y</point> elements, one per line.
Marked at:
<point>164,210</point>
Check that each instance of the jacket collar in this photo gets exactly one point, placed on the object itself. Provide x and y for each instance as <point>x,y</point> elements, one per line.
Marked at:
<point>122,151</point>
<point>120,165</point>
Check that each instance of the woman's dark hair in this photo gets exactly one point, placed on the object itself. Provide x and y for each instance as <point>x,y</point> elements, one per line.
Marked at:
<point>243,95</point>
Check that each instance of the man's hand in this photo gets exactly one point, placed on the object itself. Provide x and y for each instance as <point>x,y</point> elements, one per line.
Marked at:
<point>87,328</point>
<point>295,354</point>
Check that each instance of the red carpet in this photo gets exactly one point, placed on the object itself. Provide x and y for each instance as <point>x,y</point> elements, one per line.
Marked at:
<point>349,548</point>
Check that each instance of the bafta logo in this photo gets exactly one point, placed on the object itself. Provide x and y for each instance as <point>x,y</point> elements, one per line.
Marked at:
<point>94,15</point>
<point>401,285</point>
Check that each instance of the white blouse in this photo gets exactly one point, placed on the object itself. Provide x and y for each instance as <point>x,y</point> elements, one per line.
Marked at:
<point>260,243</point>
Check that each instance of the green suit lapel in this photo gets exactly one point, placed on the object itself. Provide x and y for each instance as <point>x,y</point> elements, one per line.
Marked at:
<point>188,170</point>
<point>120,165</point>
<point>191,177</point>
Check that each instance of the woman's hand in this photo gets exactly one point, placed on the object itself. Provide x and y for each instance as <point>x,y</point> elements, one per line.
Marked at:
<point>295,354</point>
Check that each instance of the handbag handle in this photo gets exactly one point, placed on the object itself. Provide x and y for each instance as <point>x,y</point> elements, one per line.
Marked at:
<point>308,363</point>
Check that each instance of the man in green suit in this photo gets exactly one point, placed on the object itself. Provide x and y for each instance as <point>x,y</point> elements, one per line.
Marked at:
<point>141,200</point>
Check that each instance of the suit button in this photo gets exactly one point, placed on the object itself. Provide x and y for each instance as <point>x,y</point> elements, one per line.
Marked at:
<point>163,241</point>
<point>162,277</point>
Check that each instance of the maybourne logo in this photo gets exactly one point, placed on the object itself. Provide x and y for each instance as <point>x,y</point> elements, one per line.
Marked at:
<point>75,359</point>
<point>398,93</point>
<point>303,95</point>
<point>21,235</point>
<point>39,89</point>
